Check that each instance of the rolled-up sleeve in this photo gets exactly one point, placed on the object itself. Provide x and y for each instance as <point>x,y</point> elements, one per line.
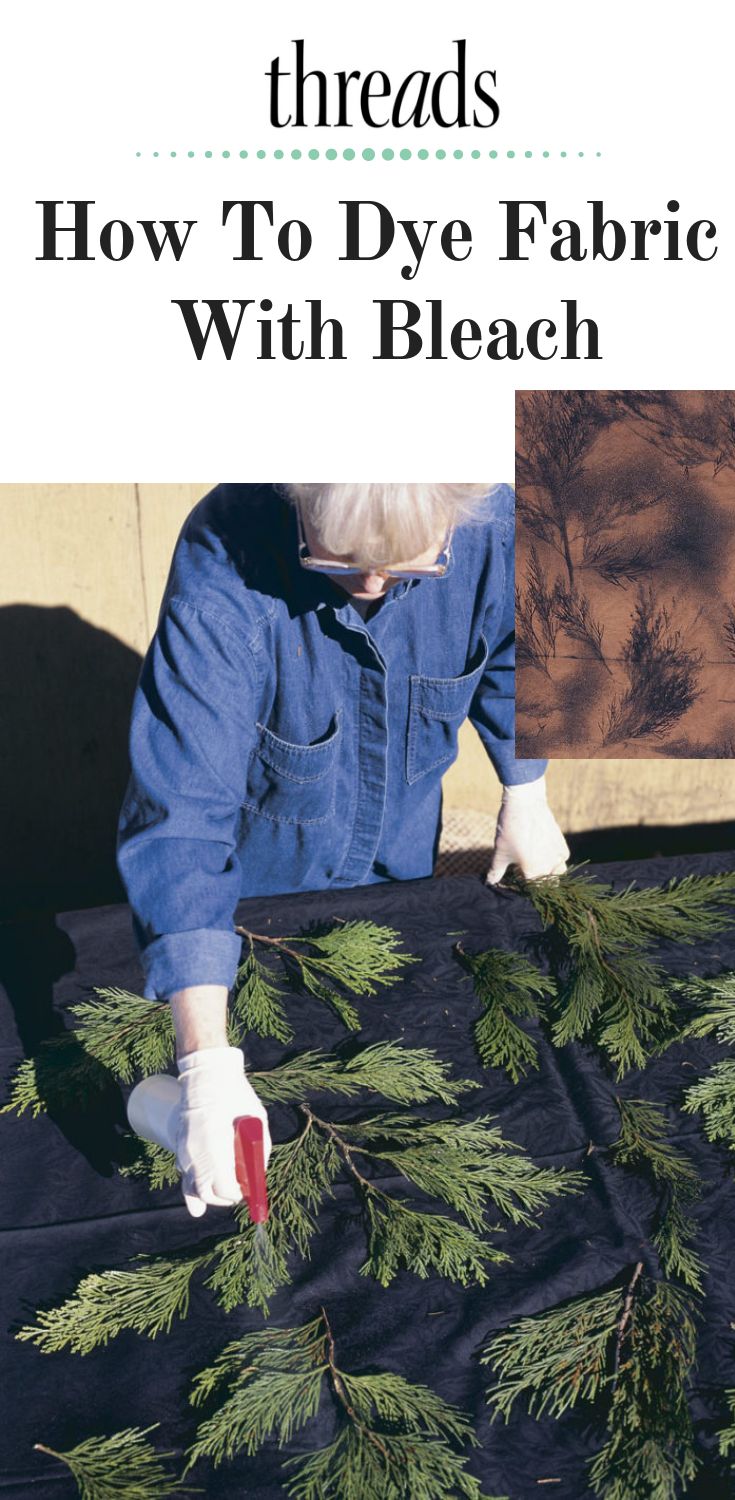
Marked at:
<point>192,731</point>
<point>492,710</point>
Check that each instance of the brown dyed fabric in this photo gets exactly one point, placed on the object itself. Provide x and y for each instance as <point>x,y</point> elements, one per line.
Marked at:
<point>625,574</point>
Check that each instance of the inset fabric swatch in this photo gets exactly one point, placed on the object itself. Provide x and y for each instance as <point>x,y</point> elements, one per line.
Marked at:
<point>625,574</point>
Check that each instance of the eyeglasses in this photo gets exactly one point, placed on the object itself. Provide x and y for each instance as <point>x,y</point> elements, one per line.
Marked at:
<point>344,569</point>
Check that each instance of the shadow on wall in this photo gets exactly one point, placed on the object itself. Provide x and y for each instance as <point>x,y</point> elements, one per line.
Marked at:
<point>66,690</point>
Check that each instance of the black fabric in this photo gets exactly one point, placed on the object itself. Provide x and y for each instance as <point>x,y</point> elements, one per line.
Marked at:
<point>67,1212</point>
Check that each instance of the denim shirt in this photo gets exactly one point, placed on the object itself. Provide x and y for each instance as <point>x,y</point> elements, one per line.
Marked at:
<point>281,742</point>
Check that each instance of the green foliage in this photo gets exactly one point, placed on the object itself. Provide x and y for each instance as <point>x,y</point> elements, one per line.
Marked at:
<point>257,1000</point>
<point>119,1036</point>
<point>404,1075</point>
<point>554,1358</point>
<point>400,1237</point>
<point>394,1466</point>
<point>643,1143</point>
<point>398,1440</point>
<point>61,1074</point>
<point>126,1034</point>
<point>608,988</point>
<point>673,1242</point>
<point>152,1162</point>
<point>465,1163</point>
<point>631,1351</point>
<point>124,1466</point>
<point>716,1001</point>
<point>635,1015</point>
<point>714,1098</point>
<point>107,1302</point>
<point>727,1434</point>
<point>252,1265</point>
<point>649,1451</point>
<point>350,958</point>
<point>683,911</point>
<point>508,987</point>
<point>115,1036</point>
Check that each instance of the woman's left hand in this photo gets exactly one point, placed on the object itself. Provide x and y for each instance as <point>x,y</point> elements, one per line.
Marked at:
<point>527,835</point>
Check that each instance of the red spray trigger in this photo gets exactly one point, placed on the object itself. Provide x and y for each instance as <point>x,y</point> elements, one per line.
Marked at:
<point>250,1165</point>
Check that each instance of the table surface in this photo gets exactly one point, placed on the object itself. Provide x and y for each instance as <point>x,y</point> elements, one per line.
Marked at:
<point>67,1211</point>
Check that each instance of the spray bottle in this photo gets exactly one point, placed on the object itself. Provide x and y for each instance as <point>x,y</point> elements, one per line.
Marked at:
<point>153,1112</point>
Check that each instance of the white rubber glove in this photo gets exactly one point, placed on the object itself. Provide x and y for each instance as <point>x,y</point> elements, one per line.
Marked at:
<point>527,834</point>
<point>214,1091</point>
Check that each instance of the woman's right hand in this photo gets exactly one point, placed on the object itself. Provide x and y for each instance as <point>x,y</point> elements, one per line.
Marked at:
<point>214,1091</point>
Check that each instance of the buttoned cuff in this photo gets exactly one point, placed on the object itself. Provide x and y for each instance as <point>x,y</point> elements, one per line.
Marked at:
<point>178,960</point>
<point>514,772</point>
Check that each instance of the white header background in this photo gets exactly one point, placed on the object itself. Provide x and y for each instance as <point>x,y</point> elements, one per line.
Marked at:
<point>98,380</point>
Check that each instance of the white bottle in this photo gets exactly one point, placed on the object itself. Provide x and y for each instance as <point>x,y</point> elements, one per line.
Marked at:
<point>153,1109</point>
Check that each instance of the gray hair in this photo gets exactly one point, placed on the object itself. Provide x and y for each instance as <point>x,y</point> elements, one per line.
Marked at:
<point>385,523</point>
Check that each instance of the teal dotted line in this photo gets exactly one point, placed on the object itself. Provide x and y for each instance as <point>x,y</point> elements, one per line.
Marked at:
<point>368,154</point>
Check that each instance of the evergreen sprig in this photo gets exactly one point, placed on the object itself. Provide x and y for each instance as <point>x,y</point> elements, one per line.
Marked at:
<point>61,1074</point>
<point>252,1265</point>
<point>714,1098</point>
<point>608,987</point>
<point>397,1440</point>
<point>649,1451</point>
<point>257,1000</point>
<point>630,1350</point>
<point>106,1303</point>
<point>643,1142</point>
<point>125,1033</point>
<point>404,1075</point>
<point>715,1002</point>
<point>154,1163</point>
<point>348,959</point>
<point>402,1238</point>
<point>118,1036</point>
<point>726,1435</point>
<point>465,1163</point>
<point>683,911</point>
<point>124,1466</point>
<point>114,1036</point>
<point>555,1358</point>
<point>467,1166</point>
<point>673,1242</point>
<point>509,988</point>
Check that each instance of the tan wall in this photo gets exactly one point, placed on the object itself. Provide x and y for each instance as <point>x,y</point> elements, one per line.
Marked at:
<point>589,794</point>
<point>102,550</point>
<point>82,569</point>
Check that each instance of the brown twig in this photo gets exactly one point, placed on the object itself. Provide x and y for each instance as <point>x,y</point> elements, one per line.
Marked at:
<point>341,1393</point>
<point>342,1147</point>
<point>626,1316</point>
<point>280,943</point>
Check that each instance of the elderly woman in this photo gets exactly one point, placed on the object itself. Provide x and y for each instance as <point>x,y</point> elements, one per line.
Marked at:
<point>318,647</point>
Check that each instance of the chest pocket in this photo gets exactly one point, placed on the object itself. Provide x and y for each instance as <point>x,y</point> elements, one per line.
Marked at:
<point>291,783</point>
<point>437,706</point>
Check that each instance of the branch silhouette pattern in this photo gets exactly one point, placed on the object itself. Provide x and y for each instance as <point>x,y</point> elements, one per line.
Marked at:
<point>625,582</point>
